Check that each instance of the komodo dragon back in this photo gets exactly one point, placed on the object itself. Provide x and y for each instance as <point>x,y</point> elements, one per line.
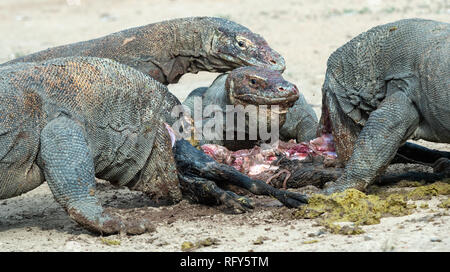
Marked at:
<point>382,88</point>
<point>358,73</point>
<point>169,49</point>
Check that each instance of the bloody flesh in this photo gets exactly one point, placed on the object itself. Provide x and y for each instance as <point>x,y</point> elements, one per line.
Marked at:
<point>257,160</point>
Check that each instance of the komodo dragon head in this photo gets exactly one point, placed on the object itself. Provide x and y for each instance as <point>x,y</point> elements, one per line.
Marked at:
<point>260,86</point>
<point>239,46</point>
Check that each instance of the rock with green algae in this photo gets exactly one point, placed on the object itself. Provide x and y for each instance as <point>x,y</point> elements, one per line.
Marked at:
<point>188,246</point>
<point>185,246</point>
<point>428,191</point>
<point>361,209</point>
<point>110,242</point>
<point>409,183</point>
<point>352,206</point>
<point>445,204</point>
<point>334,228</point>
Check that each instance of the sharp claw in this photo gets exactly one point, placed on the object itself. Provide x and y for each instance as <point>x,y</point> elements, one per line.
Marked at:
<point>293,200</point>
<point>239,204</point>
<point>299,197</point>
<point>244,201</point>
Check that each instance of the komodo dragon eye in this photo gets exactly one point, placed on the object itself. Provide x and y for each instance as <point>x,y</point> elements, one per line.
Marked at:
<point>243,42</point>
<point>252,81</point>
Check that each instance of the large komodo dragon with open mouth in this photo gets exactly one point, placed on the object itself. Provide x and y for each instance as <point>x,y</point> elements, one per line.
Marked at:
<point>383,87</point>
<point>167,50</point>
<point>70,120</point>
<point>253,86</point>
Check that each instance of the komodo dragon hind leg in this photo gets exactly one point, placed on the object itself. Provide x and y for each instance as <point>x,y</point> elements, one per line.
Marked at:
<point>69,170</point>
<point>192,162</point>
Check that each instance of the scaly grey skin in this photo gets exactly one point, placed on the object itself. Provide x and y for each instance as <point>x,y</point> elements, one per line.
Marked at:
<point>69,120</point>
<point>169,49</point>
<point>243,86</point>
<point>386,86</point>
<point>301,122</point>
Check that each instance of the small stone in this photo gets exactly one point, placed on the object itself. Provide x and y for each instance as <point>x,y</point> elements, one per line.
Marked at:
<point>310,242</point>
<point>321,232</point>
<point>260,240</point>
<point>435,240</point>
<point>187,246</point>
<point>110,242</point>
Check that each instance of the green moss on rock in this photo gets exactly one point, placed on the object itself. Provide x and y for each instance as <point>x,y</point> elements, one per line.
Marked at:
<point>445,204</point>
<point>361,209</point>
<point>428,191</point>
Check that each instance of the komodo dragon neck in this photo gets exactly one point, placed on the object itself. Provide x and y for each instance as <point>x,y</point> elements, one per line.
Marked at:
<point>165,50</point>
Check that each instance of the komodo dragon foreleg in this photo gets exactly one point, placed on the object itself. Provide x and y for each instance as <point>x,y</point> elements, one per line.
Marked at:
<point>347,132</point>
<point>386,129</point>
<point>69,170</point>
<point>199,172</point>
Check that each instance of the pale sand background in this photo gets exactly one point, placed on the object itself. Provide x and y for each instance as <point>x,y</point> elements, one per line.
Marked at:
<point>304,32</point>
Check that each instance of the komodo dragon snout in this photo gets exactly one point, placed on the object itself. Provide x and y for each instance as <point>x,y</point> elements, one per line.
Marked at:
<point>249,91</point>
<point>259,86</point>
<point>242,47</point>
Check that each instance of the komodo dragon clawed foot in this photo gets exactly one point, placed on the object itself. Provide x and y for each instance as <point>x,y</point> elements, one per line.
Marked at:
<point>201,175</point>
<point>208,192</point>
<point>111,221</point>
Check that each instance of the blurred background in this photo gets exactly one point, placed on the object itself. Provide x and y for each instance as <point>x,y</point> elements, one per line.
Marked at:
<point>304,32</point>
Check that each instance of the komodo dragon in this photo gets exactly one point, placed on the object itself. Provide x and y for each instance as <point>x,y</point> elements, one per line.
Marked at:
<point>256,86</point>
<point>169,49</point>
<point>70,120</point>
<point>383,87</point>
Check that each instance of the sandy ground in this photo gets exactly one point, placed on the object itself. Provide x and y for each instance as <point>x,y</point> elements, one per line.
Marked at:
<point>305,33</point>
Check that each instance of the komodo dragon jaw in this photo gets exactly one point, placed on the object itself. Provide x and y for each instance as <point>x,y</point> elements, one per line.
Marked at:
<point>244,90</point>
<point>260,86</point>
